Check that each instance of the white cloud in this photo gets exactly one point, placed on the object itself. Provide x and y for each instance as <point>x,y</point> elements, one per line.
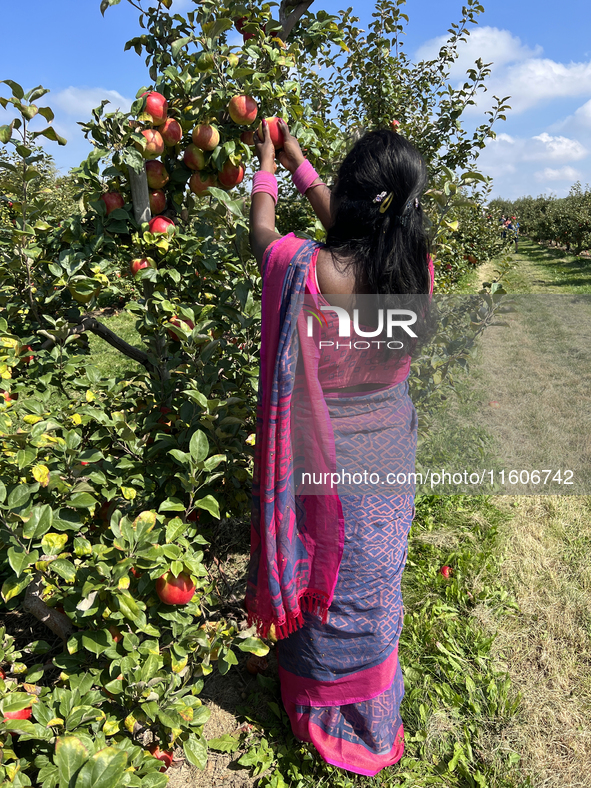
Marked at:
<point>514,163</point>
<point>563,174</point>
<point>80,101</point>
<point>556,148</point>
<point>489,43</point>
<point>517,70</point>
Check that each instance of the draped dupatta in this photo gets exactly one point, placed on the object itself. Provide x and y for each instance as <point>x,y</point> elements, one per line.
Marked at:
<point>296,541</point>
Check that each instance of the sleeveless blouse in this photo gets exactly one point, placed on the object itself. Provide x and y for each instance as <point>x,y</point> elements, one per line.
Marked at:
<point>345,366</point>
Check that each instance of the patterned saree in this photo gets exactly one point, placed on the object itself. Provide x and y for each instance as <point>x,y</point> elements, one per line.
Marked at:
<point>325,569</point>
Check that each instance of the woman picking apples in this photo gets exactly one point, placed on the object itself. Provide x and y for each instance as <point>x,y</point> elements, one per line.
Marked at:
<point>325,568</point>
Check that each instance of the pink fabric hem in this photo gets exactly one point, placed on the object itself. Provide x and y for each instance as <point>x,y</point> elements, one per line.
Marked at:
<point>340,692</point>
<point>393,757</point>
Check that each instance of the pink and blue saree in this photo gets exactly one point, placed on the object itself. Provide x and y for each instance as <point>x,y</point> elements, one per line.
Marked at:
<point>325,570</point>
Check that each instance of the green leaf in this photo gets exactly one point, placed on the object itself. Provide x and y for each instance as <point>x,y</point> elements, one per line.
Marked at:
<point>196,751</point>
<point>47,113</point>
<point>5,133</point>
<point>210,504</point>
<point>16,701</point>
<point>13,587</point>
<point>18,497</point>
<point>2,492</point>
<point>172,505</point>
<point>225,743</point>
<point>65,569</point>
<point>95,642</point>
<point>128,606</point>
<point>70,754</point>
<point>178,45</point>
<point>219,26</point>
<point>18,559</point>
<point>254,646</point>
<point>199,446</point>
<point>104,770</point>
<point>174,529</point>
<point>39,522</point>
<point>17,91</point>
<point>83,501</point>
<point>51,134</point>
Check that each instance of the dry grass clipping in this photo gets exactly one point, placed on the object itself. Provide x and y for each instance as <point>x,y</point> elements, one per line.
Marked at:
<point>547,646</point>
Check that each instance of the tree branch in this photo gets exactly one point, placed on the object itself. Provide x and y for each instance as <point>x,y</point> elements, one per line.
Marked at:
<point>92,324</point>
<point>290,20</point>
<point>58,622</point>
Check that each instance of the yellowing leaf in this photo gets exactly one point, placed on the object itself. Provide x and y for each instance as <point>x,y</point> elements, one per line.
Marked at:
<point>145,517</point>
<point>111,727</point>
<point>128,493</point>
<point>251,439</point>
<point>123,583</point>
<point>30,419</point>
<point>55,721</point>
<point>76,418</point>
<point>90,396</point>
<point>41,475</point>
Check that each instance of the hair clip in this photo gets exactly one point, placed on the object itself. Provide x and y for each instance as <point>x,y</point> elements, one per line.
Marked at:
<point>416,203</point>
<point>379,197</point>
<point>387,202</point>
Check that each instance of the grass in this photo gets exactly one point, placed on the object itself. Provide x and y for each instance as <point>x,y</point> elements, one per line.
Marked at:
<point>110,361</point>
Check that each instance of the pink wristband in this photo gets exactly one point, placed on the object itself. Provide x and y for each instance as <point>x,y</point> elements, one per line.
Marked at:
<point>304,176</point>
<point>265,182</point>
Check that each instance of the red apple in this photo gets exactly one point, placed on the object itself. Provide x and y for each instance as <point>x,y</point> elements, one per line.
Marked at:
<point>239,24</point>
<point>277,137</point>
<point>162,755</point>
<point>231,175</point>
<point>176,321</point>
<point>140,263</point>
<point>112,200</point>
<point>494,404</point>
<point>115,633</point>
<point>7,398</point>
<point>23,714</point>
<point>156,106</point>
<point>157,201</point>
<point>247,137</point>
<point>135,572</point>
<point>171,132</point>
<point>175,590</point>
<point>160,224</point>
<point>198,185</point>
<point>26,360</point>
<point>243,110</point>
<point>154,144</point>
<point>205,136</point>
<point>2,674</point>
<point>157,174</point>
<point>395,124</point>
<point>194,158</point>
<point>446,571</point>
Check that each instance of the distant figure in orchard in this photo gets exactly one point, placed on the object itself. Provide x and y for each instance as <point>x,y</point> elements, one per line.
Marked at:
<point>325,570</point>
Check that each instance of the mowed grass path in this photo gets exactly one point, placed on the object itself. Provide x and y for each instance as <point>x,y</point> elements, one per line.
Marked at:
<point>546,566</point>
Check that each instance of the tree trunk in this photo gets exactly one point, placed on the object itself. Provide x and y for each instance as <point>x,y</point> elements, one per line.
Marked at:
<point>140,195</point>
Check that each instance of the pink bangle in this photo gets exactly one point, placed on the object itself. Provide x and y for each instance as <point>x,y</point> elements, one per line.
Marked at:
<point>265,182</point>
<point>304,176</point>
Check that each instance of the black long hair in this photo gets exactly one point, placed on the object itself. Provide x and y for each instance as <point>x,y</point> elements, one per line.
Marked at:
<point>388,251</point>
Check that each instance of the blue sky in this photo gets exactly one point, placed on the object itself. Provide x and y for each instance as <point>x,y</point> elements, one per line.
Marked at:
<point>541,54</point>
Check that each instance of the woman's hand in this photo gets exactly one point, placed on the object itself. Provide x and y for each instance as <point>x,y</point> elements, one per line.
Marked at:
<point>290,156</point>
<point>265,149</point>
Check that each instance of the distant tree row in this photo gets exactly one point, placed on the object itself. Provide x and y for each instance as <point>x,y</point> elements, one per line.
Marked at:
<point>564,221</point>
